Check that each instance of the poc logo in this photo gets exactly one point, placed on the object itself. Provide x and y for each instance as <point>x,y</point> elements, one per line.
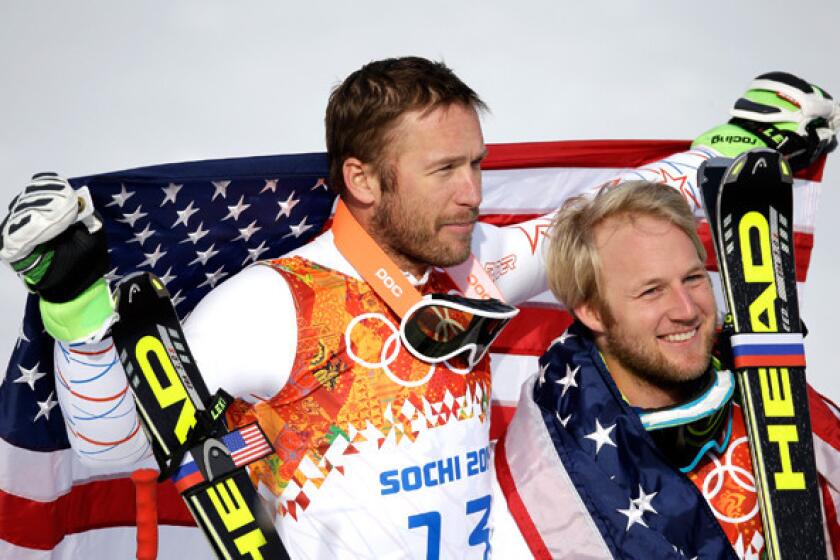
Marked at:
<point>479,288</point>
<point>389,282</point>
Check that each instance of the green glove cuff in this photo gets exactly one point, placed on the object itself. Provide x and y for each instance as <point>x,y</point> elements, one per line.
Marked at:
<point>731,140</point>
<point>728,140</point>
<point>86,317</point>
<point>35,266</point>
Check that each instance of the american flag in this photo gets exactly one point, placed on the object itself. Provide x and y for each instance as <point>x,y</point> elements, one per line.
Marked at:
<point>196,224</point>
<point>246,444</point>
<point>192,224</point>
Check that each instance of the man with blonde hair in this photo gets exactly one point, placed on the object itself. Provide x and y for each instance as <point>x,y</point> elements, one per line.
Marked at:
<point>631,422</point>
<point>652,318</point>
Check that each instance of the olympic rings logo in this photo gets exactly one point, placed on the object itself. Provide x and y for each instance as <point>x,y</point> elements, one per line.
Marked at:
<point>742,477</point>
<point>389,352</point>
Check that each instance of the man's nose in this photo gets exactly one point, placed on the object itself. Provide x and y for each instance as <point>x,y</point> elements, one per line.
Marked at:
<point>682,305</point>
<point>469,187</point>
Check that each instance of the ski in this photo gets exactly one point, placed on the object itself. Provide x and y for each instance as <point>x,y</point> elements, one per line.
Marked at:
<point>192,444</point>
<point>749,205</point>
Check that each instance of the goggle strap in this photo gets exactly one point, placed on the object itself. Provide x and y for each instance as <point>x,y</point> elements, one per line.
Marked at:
<point>388,281</point>
<point>368,258</point>
<point>473,280</point>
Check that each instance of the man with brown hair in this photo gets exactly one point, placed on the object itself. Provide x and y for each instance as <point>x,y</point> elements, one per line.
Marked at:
<point>378,411</point>
<point>404,135</point>
<point>631,422</point>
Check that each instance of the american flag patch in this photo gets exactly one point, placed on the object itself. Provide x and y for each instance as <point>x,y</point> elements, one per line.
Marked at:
<point>247,444</point>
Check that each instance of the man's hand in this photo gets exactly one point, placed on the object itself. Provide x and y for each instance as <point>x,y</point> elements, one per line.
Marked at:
<point>782,112</point>
<point>53,239</point>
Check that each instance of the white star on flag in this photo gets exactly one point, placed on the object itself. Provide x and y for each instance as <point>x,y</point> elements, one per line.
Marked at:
<point>185,215</point>
<point>644,500</point>
<point>21,336</point>
<point>170,192</point>
<point>196,236</point>
<point>255,253</point>
<point>563,421</point>
<point>320,183</point>
<point>152,258</point>
<point>204,256</point>
<point>132,218</point>
<point>638,507</point>
<point>112,275</point>
<point>177,298</point>
<point>142,236</point>
<point>167,276</point>
<point>299,229</point>
<point>601,436</point>
<point>213,277</point>
<point>220,189</point>
<point>634,515</point>
<point>541,378</point>
<point>237,209</point>
<point>568,380</point>
<point>120,198</point>
<point>29,375</point>
<point>561,339</point>
<point>270,185</point>
<point>246,232</point>
<point>44,407</point>
<point>286,206</point>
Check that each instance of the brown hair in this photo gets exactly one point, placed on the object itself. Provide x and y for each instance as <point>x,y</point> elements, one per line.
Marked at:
<point>573,265</point>
<point>366,106</point>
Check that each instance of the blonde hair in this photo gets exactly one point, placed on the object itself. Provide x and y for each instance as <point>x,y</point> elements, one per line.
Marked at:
<point>573,265</point>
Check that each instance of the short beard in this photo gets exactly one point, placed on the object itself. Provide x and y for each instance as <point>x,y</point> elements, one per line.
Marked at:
<point>409,234</point>
<point>653,367</point>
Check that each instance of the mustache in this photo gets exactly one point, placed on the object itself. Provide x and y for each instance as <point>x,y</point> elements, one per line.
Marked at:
<point>466,217</point>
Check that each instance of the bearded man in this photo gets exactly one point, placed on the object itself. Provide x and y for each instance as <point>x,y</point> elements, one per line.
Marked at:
<point>333,348</point>
<point>631,423</point>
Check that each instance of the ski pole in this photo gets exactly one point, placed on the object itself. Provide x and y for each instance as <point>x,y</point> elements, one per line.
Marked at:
<point>145,487</point>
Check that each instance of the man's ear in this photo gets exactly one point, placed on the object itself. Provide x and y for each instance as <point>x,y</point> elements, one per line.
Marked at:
<point>591,317</point>
<point>361,181</point>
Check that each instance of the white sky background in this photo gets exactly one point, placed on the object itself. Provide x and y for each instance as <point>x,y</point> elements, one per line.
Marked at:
<point>87,87</point>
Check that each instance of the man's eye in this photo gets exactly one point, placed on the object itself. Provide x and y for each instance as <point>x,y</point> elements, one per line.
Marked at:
<point>694,278</point>
<point>650,291</point>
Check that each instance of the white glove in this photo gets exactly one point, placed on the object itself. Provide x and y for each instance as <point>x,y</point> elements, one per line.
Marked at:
<point>44,210</point>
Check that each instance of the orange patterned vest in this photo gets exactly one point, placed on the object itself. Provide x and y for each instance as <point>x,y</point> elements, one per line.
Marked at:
<point>353,382</point>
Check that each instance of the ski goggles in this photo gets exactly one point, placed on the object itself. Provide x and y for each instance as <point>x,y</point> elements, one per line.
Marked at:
<point>442,327</point>
<point>685,432</point>
<point>436,327</point>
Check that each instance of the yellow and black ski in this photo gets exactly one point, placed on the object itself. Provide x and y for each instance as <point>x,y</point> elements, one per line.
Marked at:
<point>749,204</point>
<point>206,461</point>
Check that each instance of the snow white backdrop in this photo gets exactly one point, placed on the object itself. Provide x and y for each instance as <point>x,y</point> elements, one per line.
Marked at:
<point>91,86</point>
